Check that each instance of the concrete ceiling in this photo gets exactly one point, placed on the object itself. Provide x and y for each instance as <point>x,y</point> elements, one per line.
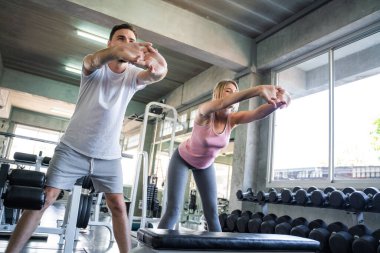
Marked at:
<point>39,37</point>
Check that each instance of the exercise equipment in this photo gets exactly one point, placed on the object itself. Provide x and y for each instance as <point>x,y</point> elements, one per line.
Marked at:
<point>242,221</point>
<point>232,219</point>
<point>320,198</point>
<point>339,198</point>
<point>302,196</point>
<point>152,110</point>
<point>263,196</point>
<point>274,196</point>
<point>323,234</point>
<point>269,225</point>
<point>245,196</point>
<point>255,222</point>
<point>367,243</point>
<point>341,242</point>
<point>363,200</point>
<point>287,195</point>
<point>162,240</point>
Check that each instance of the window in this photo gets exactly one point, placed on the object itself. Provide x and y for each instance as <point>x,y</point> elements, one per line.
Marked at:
<point>181,125</point>
<point>332,126</point>
<point>32,146</point>
<point>192,117</point>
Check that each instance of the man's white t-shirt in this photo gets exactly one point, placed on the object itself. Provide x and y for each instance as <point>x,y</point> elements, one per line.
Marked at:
<point>95,127</point>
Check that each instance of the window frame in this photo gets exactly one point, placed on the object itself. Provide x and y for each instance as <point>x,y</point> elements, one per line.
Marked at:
<point>329,48</point>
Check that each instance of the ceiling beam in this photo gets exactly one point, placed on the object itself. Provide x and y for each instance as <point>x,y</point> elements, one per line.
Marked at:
<point>166,25</point>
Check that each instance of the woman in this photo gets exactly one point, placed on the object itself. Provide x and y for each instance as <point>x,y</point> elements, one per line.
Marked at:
<point>211,132</point>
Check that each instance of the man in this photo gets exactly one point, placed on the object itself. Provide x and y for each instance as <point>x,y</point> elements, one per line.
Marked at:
<point>90,145</point>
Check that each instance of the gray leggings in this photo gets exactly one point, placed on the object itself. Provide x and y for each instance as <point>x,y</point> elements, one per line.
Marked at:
<point>176,183</point>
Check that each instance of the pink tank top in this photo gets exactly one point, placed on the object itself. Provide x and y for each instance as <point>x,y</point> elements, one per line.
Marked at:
<point>204,144</point>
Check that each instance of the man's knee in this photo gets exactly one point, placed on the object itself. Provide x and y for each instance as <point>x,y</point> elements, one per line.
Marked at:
<point>51,194</point>
<point>116,204</point>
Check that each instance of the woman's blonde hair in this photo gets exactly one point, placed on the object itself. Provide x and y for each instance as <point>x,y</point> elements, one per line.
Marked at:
<point>219,88</point>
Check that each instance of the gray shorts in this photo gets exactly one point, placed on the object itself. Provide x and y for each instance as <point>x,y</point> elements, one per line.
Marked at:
<point>67,165</point>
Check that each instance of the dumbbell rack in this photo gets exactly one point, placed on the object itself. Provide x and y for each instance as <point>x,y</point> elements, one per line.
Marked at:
<point>263,199</point>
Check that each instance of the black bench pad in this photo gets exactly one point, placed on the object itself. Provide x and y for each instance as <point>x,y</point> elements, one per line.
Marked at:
<point>165,239</point>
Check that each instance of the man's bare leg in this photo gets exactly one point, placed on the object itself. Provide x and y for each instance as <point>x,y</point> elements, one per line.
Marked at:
<point>120,222</point>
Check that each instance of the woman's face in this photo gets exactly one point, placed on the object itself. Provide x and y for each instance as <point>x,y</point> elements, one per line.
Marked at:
<point>229,89</point>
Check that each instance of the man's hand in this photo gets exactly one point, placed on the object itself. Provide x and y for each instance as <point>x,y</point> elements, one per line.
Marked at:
<point>132,52</point>
<point>153,61</point>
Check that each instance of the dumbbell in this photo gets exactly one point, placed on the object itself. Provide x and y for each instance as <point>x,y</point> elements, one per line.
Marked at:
<point>367,243</point>
<point>320,198</point>
<point>270,222</point>
<point>339,198</point>
<point>245,196</point>
<point>283,225</point>
<point>341,242</point>
<point>376,202</point>
<point>362,200</point>
<point>231,220</point>
<point>323,234</point>
<point>287,195</point>
<point>242,221</point>
<point>274,196</point>
<point>223,221</point>
<point>264,196</point>
<point>283,228</point>
<point>303,230</point>
<point>300,227</point>
<point>255,222</point>
<point>302,196</point>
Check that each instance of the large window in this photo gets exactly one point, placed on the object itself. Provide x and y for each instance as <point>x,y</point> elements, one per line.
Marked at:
<point>331,130</point>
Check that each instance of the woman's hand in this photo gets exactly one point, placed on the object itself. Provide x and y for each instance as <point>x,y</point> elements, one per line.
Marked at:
<point>269,94</point>
<point>283,98</point>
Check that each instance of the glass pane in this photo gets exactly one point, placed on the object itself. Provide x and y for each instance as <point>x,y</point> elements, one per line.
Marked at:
<point>32,146</point>
<point>357,110</point>
<point>300,144</point>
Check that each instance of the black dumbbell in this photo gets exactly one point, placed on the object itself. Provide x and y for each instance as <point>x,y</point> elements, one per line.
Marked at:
<point>255,222</point>
<point>242,222</point>
<point>263,196</point>
<point>287,195</point>
<point>223,221</point>
<point>274,196</point>
<point>341,242</point>
<point>245,196</point>
<point>268,224</point>
<point>320,198</point>
<point>304,230</point>
<point>302,196</point>
<point>362,200</point>
<point>232,219</point>
<point>300,227</point>
<point>339,198</point>
<point>283,225</point>
<point>323,234</point>
<point>367,243</point>
<point>376,202</point>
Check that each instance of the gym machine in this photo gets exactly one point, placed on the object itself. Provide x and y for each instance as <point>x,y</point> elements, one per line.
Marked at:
<point>153,110</point>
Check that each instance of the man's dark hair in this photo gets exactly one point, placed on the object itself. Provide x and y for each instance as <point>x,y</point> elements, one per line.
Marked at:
<point>122,26</point>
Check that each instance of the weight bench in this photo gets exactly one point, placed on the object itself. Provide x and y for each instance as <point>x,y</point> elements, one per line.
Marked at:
<point>172,241</point>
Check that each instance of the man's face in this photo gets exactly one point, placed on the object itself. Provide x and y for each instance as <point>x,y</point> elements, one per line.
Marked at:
<point>122,36</point>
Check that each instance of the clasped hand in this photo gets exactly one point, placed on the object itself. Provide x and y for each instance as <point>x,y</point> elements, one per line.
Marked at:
<point>144,55</point>
<point>276,96</point>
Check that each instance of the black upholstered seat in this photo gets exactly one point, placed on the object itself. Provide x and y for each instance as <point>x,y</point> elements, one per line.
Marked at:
<point>163,239</point>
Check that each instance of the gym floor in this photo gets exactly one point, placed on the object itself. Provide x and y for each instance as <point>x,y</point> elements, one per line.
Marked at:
<point>94,240</point>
